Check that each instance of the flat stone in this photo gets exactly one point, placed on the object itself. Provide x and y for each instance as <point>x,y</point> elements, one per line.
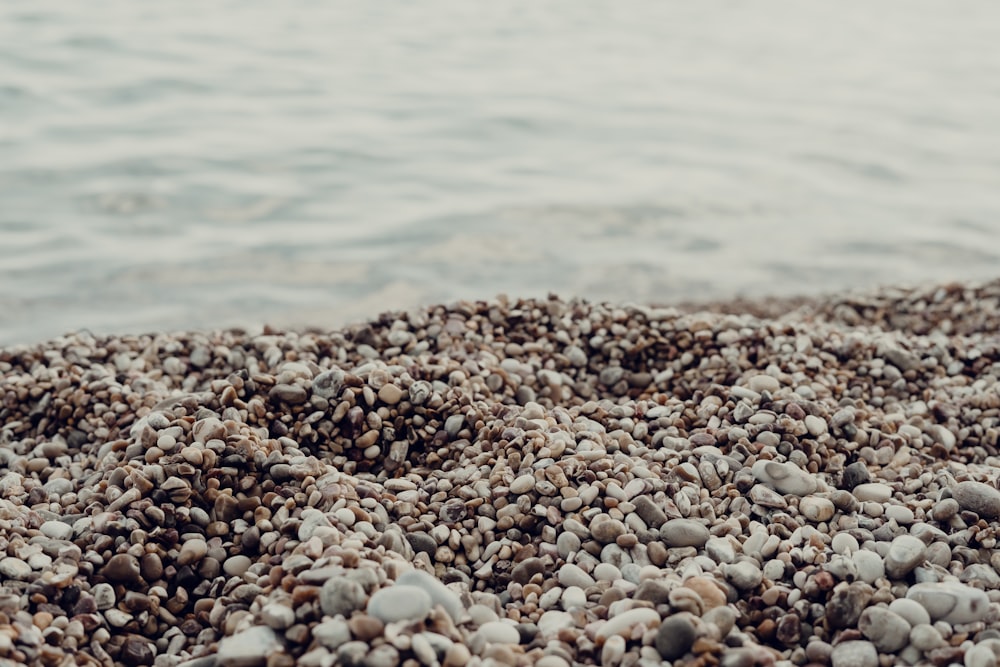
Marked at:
<point>684,533</point>
<point>332,633</point>
<point>651,514</point>
<point>905,553</point>
<point>744,575</point>
<point>522,484</point>
<point>854,653</point>
<point>498,632</point>
<point>951,602</point>
<point>390,394</point>
<point>14,568</point>
<point>785,478</point>
<point>911,610</point>
<point>56,530</point>
<point>761,383</point>
<point>554,620</point>
<point>815,425</point>
<point>873,492</point>
<point>250,648</point>
<point>887,630</point>
<point>400,603</point>
<point>977,497</point>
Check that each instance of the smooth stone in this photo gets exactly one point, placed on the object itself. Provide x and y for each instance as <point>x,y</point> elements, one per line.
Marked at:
<point>250,648</point>
<point>651,513</point>
<point>817,510</point>
<point>14,568</point>
<point>606,572</point>
<point>340,595</point>
<point>872,492</point>
<point>911,610</point>
<point>526,569</point>
<point>391,394</point>
<point>440,594</point>
<point>399,603</point>
<point>926,637</point>
<point>56,530</point>
<point>761,383</point>
<point>844,543</point>
<point>498,632</point>
<point>236,566</point>
<point>675,636</point>
<point>522,484</point>
<point>951,602</point>
<point>887,630</point>
<point>816,426</point>
<point>854,475</point>
<point>905,553</point>
<point>573,575</point>
<point>711,594</point>
<point>684,533</point>
<point>623,623</point>
<point>977,497</point>
<point>980,656</point>
<point>744,575</point>
<point>854,653</point>
<point>122,569</point>
<point>552,621</point>
<point>785,478</point>
<point>104,596</point>
<point>277,616</point>
<point>328,383</point>
<point>869,564</point>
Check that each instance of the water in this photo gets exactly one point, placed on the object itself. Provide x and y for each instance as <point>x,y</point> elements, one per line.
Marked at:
<point>175,165</point>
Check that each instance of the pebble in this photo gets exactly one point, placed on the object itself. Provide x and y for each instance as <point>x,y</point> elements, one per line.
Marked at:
<point>886,630</point>
<point>905,553</point>
<point>977,497</point>
<point>684,533</point>
<point>785,478</point>
<point>854,653</point>
<point>512,481</point>
<point>950,602</point>
<point>399,603</point>
<point>675,636</point>
<point>249,648</point>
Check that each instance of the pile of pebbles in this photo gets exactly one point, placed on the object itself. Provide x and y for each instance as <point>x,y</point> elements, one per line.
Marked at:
<point>533,482</point>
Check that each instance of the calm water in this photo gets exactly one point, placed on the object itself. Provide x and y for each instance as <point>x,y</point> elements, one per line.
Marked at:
<point>203,164</point>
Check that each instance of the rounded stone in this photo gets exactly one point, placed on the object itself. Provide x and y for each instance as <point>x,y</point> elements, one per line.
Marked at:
<point>875,492</point>
<point>122,569</point>
<point>786,478</point>
<point>399,603</point>
<point>390,394</point>
<point>854,653</point>
<point>887,630</point>
<point>676,636</point>
<point>977,497</point>
<point>573,575</point>
<point>905,553</point>
<point>498,632</point>
<point>951,602</point>
<point>911,610</point>
<point>684,533</point>
<point>339,595</point>
<point>817,510</point>
<point>438,592</point>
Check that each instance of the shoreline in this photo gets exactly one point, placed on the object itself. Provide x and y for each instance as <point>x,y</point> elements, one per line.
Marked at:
<point>790,481</point>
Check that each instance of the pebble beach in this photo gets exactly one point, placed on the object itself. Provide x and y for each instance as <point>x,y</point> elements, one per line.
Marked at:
<point>512,483</point>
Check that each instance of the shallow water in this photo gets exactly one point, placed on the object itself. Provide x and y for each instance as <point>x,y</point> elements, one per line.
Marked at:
<point>209,164</point>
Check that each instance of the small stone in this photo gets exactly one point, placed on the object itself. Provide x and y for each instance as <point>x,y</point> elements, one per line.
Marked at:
<point>926,637</point>
<point>874,492</point>
<point>854,475</point>
<point>236,566</point>
<point>684,533</point>
<point>910,610</point>
<point>332,633</point>
<point>192,551</point>
<point>122,569</point>
<point>762,383</point>
<point>523,484</point>
<point>651,514</point>
<point>292,394</point>
<point>854,653</point>
<point>498,632</point>
<point>888,631</point>
<point>744,575</point>
<point>624,622</point>
<point>951,602</point>
<point>711,594</point>
<point>526,569</point>
<point>328,384</point>
<point>817,510</point>
<point>572,575</point>
<point>56,530</point>
<point>438,592</point>
<point>870,566</point>
<point>277,616</point>
<point>341,596</point>
<point>815,425</point>
<point>249,648</point>
<point>390,394</point>
<point>675,636</point>
<point>786,478</point>
<point>977,497</point>
<point>399,603</point>
<point>552,621</point>
<point>980,656</point>
<point>14,568</point>
<point>905,553</point>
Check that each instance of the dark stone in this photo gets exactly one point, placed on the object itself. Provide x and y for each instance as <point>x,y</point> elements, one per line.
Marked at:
<point>525,570</point>
<point>845,606</point>
<point>675,636</point>
<point>854,474</point>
